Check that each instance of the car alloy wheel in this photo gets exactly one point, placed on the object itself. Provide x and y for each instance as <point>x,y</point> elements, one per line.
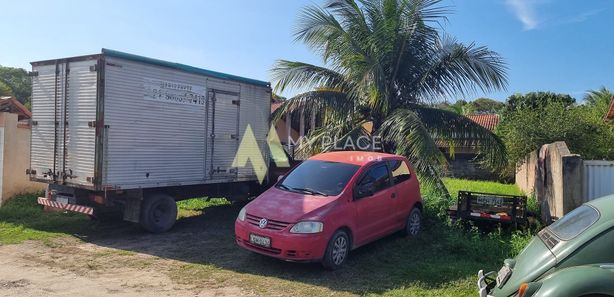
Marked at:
<point>414,223</point>
<point>337,250</point>
<point>340,250</point>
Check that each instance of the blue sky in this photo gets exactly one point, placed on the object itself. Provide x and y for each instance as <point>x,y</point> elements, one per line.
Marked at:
<point>564,46</point>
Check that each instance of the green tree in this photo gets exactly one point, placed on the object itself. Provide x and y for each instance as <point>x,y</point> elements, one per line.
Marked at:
<point>527,127</point>
<point>19,81</point>
<point>5,89</point>
<point>535,100</point>
<point>457,107</point>
<point>385,61</point>
<point>482,106</point>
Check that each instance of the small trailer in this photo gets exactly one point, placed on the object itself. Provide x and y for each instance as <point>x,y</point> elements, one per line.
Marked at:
<point>115,129</point>
<point>490,208</point>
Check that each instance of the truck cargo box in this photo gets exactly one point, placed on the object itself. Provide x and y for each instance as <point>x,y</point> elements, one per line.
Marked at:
<point>120,121</point>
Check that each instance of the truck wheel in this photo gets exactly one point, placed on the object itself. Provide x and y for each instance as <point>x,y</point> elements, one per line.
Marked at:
<point>413,224</point>
<point>158,213</point>
<point>337,250</point>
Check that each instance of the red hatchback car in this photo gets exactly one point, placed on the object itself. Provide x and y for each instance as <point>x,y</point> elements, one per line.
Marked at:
<point>330,204</point>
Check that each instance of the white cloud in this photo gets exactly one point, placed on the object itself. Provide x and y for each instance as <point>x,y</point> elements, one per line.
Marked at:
<point>582,17</point>
<point>525,11</point>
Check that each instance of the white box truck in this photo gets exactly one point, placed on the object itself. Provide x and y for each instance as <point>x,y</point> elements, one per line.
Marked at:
<point>116,129</point>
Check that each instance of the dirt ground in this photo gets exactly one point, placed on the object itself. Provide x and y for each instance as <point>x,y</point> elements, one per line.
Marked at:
<point>121,261</point>
<point>199,257</point>
<point>31,270</point>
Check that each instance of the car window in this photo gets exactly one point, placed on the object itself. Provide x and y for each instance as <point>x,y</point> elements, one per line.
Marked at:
<point>378,175</point>
<point>319,177</point>
<point>400,171</point>
<point>575,222</point>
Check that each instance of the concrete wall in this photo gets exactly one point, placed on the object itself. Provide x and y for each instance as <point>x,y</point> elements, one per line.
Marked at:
<point>15,158</point>
<point>554,175</point>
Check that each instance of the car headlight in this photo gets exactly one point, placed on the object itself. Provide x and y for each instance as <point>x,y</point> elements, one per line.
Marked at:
<point>241,216</point>
<point>307,227</point>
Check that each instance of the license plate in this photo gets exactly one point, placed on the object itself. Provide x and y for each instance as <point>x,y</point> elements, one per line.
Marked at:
<point>490,201</point>
<point>503,275</point>
<point>63,200</point>
<point>260,240</point>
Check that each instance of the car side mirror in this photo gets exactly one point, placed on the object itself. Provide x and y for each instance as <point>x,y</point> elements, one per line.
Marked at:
<point>365,190</point>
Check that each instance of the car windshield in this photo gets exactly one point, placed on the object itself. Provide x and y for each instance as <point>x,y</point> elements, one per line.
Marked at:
<point>575,222</point>
<point>318,177</point>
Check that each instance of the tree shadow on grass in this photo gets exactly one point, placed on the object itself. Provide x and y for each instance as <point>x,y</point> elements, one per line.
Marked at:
<point>439,256</point>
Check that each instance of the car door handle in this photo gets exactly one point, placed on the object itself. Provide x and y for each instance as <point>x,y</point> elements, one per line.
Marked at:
<point>393,195</point>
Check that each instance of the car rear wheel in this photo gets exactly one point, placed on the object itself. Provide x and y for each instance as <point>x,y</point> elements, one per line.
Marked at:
<point>414,223</point>
<point>158,213</point>
<point>337,250</point>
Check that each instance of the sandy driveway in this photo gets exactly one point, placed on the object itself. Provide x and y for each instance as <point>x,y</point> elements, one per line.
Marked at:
<point>122,260</point>
<point>35,269</point>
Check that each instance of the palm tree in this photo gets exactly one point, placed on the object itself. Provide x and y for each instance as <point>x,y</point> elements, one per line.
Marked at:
<point>384,62</point>
<point>599,99</point>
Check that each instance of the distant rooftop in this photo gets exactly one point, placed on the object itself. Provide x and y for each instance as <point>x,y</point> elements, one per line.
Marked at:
<point>488,121</point>
<point>12,105</point>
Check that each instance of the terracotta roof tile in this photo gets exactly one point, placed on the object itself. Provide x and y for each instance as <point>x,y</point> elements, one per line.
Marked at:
<point>10,104</point>
<point>488,121</point>
<point>275,105</point>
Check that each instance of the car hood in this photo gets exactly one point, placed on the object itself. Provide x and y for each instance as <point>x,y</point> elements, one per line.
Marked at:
<point>280,205</point>
<point>533,261</point>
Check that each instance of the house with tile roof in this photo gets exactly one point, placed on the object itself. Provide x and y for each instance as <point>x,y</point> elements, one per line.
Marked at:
<point>462,160</point>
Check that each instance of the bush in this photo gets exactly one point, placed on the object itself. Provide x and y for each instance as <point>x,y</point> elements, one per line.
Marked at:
<point>527,126</point>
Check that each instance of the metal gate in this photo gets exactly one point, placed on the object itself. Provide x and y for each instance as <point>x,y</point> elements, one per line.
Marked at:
<point>223,127</point>
<point>598,179</point>
<point>64,98</point>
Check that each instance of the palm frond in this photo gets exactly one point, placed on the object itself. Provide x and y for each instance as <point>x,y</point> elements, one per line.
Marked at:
<point>404,131</point>
<point>457,69</point>
<point>334,136</point>
<point>457,130</point>
<point>324,102</point>
<point>303,75</point>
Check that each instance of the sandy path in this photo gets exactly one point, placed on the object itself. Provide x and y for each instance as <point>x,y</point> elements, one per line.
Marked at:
<point>32,269</point>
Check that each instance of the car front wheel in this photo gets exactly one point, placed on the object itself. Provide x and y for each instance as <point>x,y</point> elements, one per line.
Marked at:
<point>337,250</point>
<point>414,223</point>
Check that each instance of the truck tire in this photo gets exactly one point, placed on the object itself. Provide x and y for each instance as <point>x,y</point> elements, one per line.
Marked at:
<point>158,213</point>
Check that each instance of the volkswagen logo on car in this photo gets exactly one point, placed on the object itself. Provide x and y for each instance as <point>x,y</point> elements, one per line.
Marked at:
<point>263,223</point>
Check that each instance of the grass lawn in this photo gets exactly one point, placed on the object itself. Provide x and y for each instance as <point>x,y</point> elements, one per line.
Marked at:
<point>442,261</point>
<point>23,219</point>
<point>454,185</point>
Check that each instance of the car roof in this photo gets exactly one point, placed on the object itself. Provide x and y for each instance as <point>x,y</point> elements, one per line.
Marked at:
<point>360,158</point>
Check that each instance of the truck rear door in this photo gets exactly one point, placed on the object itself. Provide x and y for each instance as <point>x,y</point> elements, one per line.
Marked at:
<point>223,115</point>
<point>64,105</point>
